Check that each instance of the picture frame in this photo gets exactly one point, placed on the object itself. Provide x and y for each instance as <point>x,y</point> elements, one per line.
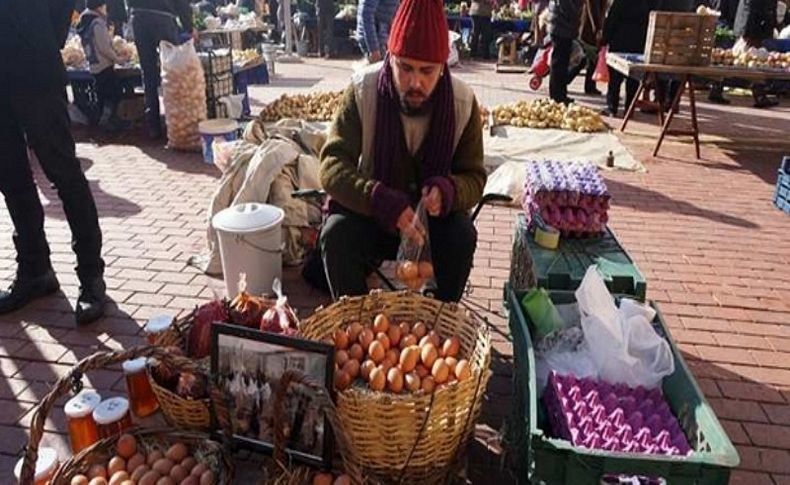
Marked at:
<point>246,365</point>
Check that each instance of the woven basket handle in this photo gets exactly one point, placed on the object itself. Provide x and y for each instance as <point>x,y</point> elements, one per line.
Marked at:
<point>325,404</point>
<point>63,385</point>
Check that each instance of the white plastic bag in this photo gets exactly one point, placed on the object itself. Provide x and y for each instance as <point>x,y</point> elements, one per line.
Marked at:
<point>621,340</point>
<point>184,92</point>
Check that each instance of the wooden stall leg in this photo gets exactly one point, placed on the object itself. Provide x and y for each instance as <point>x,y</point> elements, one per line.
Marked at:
<point>632,108</point>
<point>693,107</point>
<point>671,115</point>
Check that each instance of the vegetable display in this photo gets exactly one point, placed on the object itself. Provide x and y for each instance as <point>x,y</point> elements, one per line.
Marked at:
<point>397,357</point>
<point>308,107</point>
<point>184,93</point>
<point>751,58</point>
<point>242,57</point>
<point>571,197</point>
<point>72,53</point>
<point>597,415</point>
<point>545,113</point>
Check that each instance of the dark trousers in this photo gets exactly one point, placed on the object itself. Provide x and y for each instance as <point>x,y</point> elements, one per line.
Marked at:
<point>325,11</point>
<point>353,245</point>
<point>558,77</point>
<point>41,121</point>
<point>149,29</point>
<point>613,90</point>
<point>481,36</point>
<point>108,89</point>
<point>589,84</point>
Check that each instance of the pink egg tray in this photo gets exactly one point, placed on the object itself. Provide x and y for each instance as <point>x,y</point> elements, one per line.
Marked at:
<point>597,415</point>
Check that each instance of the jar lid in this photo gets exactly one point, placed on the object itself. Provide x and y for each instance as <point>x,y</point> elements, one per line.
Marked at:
<point>111,410</point>
<point>158,324</point>
<point>134,366</point>
<point>82,404</point>
<point>45,465</point>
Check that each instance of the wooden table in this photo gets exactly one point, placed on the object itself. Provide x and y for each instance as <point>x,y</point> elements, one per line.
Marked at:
<point>633,66</point>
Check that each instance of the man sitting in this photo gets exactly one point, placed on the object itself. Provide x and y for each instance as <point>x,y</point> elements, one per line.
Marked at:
<point>406,131</point>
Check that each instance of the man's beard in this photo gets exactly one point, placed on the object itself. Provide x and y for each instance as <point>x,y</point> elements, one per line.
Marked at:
<point>410,110</point>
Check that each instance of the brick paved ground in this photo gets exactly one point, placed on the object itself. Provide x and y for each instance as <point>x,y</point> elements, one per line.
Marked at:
<point>713,249</point>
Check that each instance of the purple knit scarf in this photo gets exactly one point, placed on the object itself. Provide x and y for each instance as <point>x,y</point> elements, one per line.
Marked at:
<point>436,152</point>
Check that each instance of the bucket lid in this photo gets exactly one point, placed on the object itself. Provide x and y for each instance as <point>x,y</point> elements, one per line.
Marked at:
<point>111,410</point>
<point>217,126</point>
<point>45,465</point>
<point>82,404</point>
<point>249,217</point>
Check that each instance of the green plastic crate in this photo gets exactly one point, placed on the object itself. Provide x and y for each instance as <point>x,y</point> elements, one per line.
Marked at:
<point>564,268</point>
<point>554,461</point>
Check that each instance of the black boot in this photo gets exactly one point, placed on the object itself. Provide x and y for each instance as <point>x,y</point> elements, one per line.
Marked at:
<point>26,289</point>
<point>91,302</point>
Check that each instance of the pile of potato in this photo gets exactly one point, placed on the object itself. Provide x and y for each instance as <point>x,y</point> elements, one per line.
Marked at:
<point>397,357</point>
<point>309,107</point>
<point>72,53</point>
<point>245,56</point>
<point>545,113</point>
<point>752,58</point>
<point>184,93</point>
<point>133,466</point>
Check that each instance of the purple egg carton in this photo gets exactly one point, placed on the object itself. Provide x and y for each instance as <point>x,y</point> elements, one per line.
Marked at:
<point>594,414</point>
<point>571,179</point>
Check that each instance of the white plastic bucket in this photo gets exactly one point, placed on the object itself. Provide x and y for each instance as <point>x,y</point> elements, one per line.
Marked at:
<point>221,130</point>
<point>250,242</point>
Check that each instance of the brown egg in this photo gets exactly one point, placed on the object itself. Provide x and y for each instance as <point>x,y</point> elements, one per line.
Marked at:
<point>97,471</point>
<point>385,341</point>
<point>412,381</point>
<point>381,323</point>
<point>189,463</point>
<point>451,347</point>
<point>119,477</point>
<point>428,354</point>
<point>419,330</point>
<point>451,363</point>
<point>153,457</point>
<point>435,338</point>
<point>179,473</point>
<point>366,337</point>
<point>341,357</point>
<point>207,478</point>
<point>394,335</point>
<point>190,480</point>
<point>135,461</point>
<point>98,481</point>
<point>376,351</point>
<point>356,352</point>
<point>440,371</point>
<point>163,466</point>
<point>342,380</point>
<point>79,480</point>
<point>410,270</point>
<point>378,379</point>
<point>127,446</point>
<point>322,479</point>
<point>341,339</point>
<point>150,478</point>
<point>198,470</point>
<point>353,331</point>
<point>422,371</point>
<point>463,370</point>
<point>137,473</point>
<point>116,464</point>
<point>425,270</point>
<point>392,356</point>
<point>127,482</point>
<point>342,480</point>
<point>428,384</point>
<point>177,452</point>
<point>409,358</point>
<point>352,369</point>
<point>395,380</point>
<point>168,480</point>
<point>407,341</point>
<point>405,329</point>
<point>365,369</point>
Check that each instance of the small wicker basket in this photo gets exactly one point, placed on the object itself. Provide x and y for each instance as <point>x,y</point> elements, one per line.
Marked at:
<point>409,437</point>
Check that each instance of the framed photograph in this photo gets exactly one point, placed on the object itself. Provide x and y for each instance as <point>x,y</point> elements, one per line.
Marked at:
<point>247,364</point>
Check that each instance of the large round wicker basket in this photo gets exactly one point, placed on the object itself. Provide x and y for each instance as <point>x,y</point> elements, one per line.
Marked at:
<point>409,437</point>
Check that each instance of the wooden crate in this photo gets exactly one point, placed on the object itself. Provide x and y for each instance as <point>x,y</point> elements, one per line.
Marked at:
<point>680,39</point>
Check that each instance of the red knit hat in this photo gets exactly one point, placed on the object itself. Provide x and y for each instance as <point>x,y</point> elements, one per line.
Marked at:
<point>419,31</point>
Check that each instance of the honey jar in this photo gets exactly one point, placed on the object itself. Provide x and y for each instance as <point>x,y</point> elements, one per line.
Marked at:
<point>46,465</point>
<point>156,327</point>
<point>79,415</point>
<point>141,397</point>
<point>112,417</point>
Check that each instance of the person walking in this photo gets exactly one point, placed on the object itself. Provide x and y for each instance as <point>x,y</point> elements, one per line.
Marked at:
<point>374,18</point>
<point>480,44</point>
<point>33,113</point>
<point>593,13</point>
<point>325,12</point>
<point>624,30</point>
<point>563,28</point>
<point>152,22</point>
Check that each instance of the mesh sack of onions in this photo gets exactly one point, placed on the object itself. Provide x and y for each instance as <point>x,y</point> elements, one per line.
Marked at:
<point>184,91</point>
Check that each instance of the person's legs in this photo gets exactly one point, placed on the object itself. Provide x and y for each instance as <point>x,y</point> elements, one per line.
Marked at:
<point>716,94</point>
<point>349,243</point>
<point>761,99</point>
<point>558,78</point>
<point>631,87</point>
<point>589,85</point>
<point>108,88</point>
<point>325,14</point>
<point>486,37</point>
<point>453,241</point>
<point>477,32</point>
<point>613,92</point>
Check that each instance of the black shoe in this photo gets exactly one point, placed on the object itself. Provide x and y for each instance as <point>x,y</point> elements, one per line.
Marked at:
<point>718,99</point>
<point>592,92</point>
<point>91,302</point>
<point>765,102</point>
<point>609,112</point>
<point>24,290</point>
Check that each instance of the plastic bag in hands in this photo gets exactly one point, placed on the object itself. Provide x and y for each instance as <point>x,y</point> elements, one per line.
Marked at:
<point>622,342</point>
<point>414,267</point>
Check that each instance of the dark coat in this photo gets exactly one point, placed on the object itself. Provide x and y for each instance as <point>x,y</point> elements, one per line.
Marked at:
<point>116,11</point>
<point>592,23</point>
<point>565,18</point>
<point>676,5</point>
<point>625,28</point>
<point>728,8</point>
<point>755,20</point>
<point>32,32</point>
